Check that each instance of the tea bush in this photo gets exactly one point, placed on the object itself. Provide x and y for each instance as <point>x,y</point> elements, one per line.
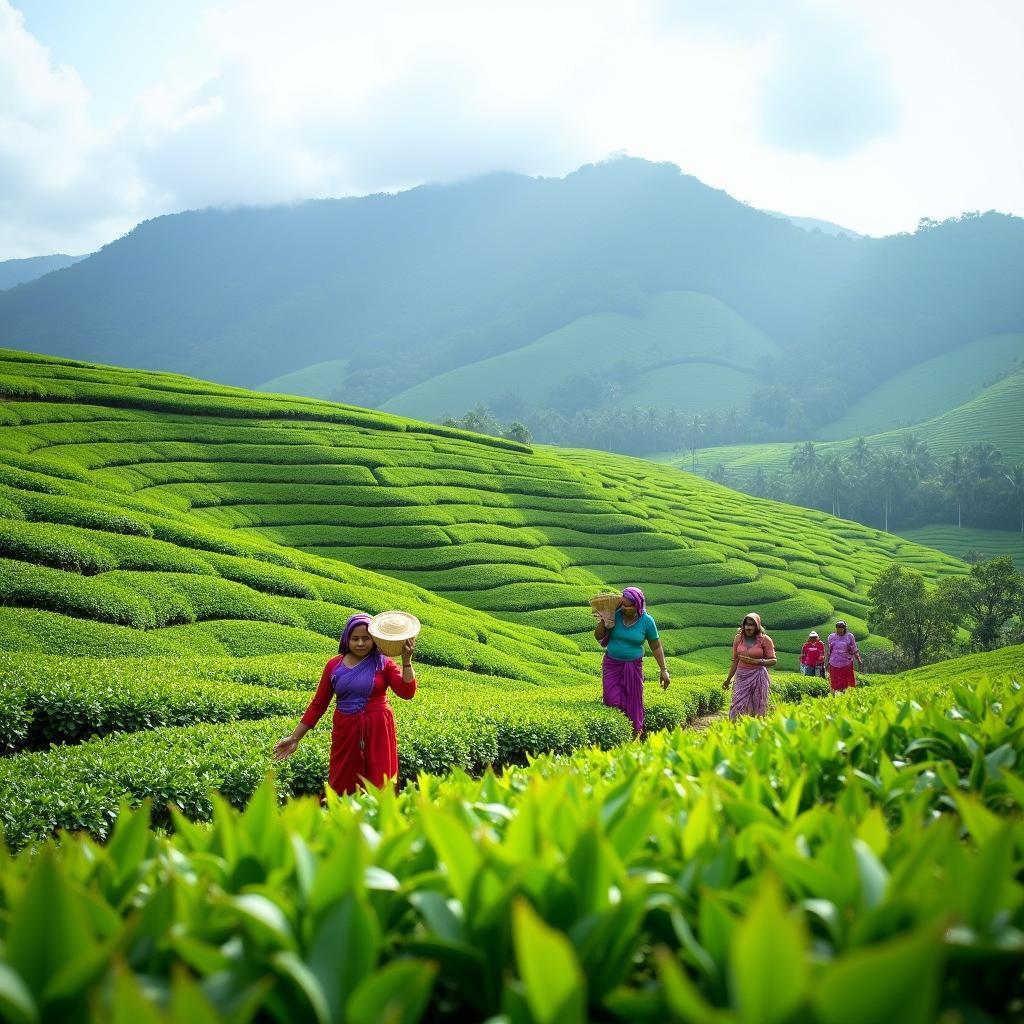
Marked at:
<point>855,859</point>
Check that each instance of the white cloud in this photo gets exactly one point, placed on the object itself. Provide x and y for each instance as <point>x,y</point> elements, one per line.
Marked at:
<point>855,113</point>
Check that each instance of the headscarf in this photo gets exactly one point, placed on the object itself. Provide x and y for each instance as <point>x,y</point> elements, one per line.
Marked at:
<point>353,686</point>
<point>636,595</point>
<point>359,619</point>
<point>759,635</point>
<point>757,622</point>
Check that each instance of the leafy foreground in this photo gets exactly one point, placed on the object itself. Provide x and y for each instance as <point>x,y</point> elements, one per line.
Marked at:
<point>848,860</point>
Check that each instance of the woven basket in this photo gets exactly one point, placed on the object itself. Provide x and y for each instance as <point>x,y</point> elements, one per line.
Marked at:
<point>606,602</point>
<point>390,630</point>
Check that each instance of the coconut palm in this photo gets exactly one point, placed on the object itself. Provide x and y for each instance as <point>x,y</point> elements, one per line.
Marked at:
<point>695,428</point>
<point>1016,480</point>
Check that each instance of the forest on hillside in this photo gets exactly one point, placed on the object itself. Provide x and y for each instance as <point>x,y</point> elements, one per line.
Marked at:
<point>412,285</point>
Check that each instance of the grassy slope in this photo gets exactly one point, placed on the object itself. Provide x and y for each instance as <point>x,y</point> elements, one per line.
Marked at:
<point>668,344</point>
<point>931,388</point>
<point>321,380</point>
<point>958,542</point>
<point>995,415</point>
<point>222,522</point>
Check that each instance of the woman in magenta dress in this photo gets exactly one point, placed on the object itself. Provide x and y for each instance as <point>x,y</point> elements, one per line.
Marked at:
<point>840,654</point>
<point>364,744</point>
<point>623,634</point>
<point>753,653</point>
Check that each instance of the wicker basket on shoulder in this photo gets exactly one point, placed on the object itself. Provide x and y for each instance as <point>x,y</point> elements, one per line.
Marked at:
<point>606,602</point>
<point>390,630</point>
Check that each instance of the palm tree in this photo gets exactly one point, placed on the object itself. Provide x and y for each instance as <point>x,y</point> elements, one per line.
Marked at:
<point>804,460</point>
<point>731,421</point>
<point>860,454</point>
<point>984,459</point>
<point>891,470</point>
<point>956,477</point>
<point>834,471</point>
<point>695,427</point>
<point>1016,479</point>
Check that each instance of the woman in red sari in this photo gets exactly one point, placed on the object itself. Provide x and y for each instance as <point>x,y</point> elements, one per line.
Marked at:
<point>364,745</point>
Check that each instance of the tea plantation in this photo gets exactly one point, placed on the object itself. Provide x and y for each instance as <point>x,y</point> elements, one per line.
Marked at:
<point>851,860</point>
<point>176,562</point>
<point>148,514</point>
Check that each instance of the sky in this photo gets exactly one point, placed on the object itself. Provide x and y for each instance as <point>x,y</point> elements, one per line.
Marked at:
<point>871,114</point>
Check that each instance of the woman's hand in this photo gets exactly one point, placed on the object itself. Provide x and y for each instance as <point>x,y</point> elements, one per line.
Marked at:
<point>284,749</point>
<point>607,619</point>
<point>725,685</point>
<point>407,648</point>
<point>665,679</point>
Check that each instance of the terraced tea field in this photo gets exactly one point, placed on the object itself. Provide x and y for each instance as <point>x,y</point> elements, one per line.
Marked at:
<point>960,541</point>
<point>149,514</point>
<point>994,415</point>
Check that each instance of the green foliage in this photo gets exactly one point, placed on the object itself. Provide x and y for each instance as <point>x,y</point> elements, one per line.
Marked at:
<point>988,596</point>
<point>921,620</point>
<point>850,860</point>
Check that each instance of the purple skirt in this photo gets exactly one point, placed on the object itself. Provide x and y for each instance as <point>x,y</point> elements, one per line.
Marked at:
<point>623,686</point>
<point>749,691</point>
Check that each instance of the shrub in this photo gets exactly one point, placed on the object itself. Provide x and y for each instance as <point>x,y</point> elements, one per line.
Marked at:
<point>93,597</point>
<point>56,546</point>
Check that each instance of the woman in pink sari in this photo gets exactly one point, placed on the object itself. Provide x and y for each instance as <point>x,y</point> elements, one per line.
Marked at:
<point>753,653</point>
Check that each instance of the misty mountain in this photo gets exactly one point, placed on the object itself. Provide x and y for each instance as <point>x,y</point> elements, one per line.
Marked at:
<point>408,286</point>
<point>13,272</point>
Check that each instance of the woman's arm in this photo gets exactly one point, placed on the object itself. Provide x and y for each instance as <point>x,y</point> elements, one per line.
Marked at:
<point>603,629</point>
<point>659,656</point>
<point>284,749</point>
<point>732,668</point>
<point>402,681</point>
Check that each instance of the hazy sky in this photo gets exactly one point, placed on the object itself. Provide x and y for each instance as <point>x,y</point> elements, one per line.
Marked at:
<point>870,113</point>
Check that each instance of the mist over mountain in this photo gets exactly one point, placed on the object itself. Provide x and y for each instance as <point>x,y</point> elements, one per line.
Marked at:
<point>415,284</point>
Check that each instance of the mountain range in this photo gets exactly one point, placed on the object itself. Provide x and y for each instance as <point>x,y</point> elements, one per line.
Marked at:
<point>625,282</point>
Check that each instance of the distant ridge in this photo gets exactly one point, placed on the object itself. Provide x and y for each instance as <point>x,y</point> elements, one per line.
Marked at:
<point>814,224</point>
<point>15,272</point>
<point>405,288</point>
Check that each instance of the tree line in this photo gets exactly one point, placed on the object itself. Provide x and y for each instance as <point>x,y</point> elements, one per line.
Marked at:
<point>896,488</point>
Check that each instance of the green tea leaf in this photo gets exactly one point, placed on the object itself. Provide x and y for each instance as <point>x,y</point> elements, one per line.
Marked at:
<point>396,994</point>
<point>289,965</point>
<point>266,921</point>
<point>555,987</point>
<point>16,1002</point>
<point>48,929</point>
<point>682,997</point>
<point>343,950</point>
<point>892,981</point>
<point>769,971</point>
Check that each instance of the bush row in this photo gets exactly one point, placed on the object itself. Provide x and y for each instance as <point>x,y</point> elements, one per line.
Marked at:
<point>448,725</point>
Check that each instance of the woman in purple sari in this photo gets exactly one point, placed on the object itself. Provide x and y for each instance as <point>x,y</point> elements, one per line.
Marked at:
<point>753,653</point>
<point>623,635</point>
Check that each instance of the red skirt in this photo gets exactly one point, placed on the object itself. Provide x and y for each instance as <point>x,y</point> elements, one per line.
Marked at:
<point>841,678</point>
<point>363,746</point>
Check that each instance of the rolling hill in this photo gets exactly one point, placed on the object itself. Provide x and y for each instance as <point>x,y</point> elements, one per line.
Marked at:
<point>931,388</point>
<point>414,287</point>
<point>684,350</point>
<point>995,415</point>
<point>149,514</point>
